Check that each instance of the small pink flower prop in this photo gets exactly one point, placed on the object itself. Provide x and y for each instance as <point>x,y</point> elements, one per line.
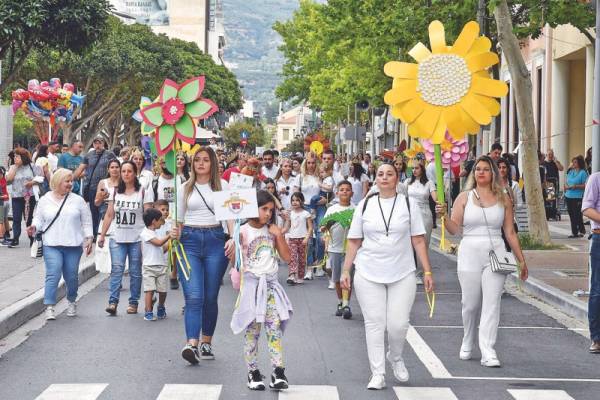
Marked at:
<point>454,152</point>
<point>173,114</point>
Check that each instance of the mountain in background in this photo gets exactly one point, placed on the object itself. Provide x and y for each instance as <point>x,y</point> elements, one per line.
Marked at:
<point>251,45</point>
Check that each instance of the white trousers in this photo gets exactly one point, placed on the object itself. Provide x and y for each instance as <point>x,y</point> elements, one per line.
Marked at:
<point>385,307</point>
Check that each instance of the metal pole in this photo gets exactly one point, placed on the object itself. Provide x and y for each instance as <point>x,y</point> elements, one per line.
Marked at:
<point>356,128</point>
<point>596,103</point>
<point>372,133</point>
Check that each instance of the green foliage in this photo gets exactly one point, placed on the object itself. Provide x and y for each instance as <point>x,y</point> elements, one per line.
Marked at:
<point>295,146</point>
<point>23,131</point>
<point>257,137</point>
<point>47,24</point>
<point>528,242</point>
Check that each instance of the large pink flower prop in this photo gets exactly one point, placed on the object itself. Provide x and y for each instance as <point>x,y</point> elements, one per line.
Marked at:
<point>172,115</point>
<point>454,152</point>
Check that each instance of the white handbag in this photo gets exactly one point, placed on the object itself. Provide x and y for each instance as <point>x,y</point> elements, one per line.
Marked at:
<point>102,259</point>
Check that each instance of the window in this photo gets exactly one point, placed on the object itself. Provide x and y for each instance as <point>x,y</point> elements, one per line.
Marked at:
<point>286,134</point>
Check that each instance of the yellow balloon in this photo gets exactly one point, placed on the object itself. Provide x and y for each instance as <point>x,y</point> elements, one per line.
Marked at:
<point>316,147</point>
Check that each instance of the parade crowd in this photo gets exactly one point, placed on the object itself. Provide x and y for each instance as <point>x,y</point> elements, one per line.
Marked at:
<point>379,216</point>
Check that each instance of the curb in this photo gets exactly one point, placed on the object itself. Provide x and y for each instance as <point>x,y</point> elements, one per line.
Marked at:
<point>25,309</point>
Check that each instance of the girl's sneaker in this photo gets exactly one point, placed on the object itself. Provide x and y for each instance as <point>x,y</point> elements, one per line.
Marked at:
<point>149,316</point>
<point>278,379</point>
<point>161,312</point>
<point>255,380</point>
<point>50,313</point>
<point>206,352</point>
<point>308,276</point>
<point>190,354</point>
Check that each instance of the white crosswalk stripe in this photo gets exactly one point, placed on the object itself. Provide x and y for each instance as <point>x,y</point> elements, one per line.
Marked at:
<point>73,391</point>
<point>424,393</point>
<point>190,392</point>
<point>530,394</point>
<point>313,392</point>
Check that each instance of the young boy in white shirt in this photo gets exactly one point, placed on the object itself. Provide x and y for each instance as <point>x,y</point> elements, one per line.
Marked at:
<point>163,206</point>
<point>336,249</point>
<point>154,264</point>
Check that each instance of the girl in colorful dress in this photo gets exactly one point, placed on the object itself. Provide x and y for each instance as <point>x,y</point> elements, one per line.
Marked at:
<point>299,227</point>
<point>262,298</point>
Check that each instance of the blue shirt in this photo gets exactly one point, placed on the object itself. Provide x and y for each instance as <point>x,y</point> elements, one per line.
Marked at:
<point>575,177</point>
<point>591,199</point>
<point>71,162</point>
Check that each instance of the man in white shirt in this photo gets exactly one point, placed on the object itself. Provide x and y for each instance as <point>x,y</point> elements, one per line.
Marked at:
<point>366,162</point>
<point>52,157</point>
<point>269,170</point>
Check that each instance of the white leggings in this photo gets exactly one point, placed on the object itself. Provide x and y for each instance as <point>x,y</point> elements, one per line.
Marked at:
<point>385,306</point>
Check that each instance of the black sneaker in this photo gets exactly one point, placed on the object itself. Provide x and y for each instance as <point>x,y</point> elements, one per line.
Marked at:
<point>347,312</point>
<point>339,311</point>
<point>206,352</point>
<point>255,380</point>
<point>174,284</point>
<point>6,242</point>
<point>278,379</point>
<point>13,244</point>
<point>190,354</point>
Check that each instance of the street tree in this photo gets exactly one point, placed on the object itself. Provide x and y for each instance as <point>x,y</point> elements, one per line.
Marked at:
<point>232,135</point>
<point>26,25</point>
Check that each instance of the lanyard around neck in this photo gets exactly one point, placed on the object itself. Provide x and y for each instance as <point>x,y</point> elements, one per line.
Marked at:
<point>389,220</point>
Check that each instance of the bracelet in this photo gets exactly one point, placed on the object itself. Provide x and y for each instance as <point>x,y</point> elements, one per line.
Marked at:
<point>426,273</point>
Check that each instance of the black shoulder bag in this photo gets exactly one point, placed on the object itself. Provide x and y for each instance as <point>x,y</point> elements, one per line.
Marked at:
<point>86,192</point>
<point>37,247</point>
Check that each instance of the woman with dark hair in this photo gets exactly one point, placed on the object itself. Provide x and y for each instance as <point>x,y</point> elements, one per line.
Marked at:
<point>207,249</point>
<point>400,166</point>
<point>145,177</point>
<point>107,188</point>
<point>359,181</point>
<point>21,175</point>
<point>511,188</point>
<point>574,188</point>
<point>183,166</point>
<point>127,209</point>
<point>419,189</point>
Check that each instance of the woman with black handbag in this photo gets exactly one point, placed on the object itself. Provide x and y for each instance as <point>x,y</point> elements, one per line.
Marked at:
<point>480,213</point>
<point>65,223</point>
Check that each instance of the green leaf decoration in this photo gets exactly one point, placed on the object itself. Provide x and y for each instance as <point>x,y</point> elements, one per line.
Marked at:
<point>165,136</point>
<point>152,115</point>
<point>168,90</point>
<point>170,162</point>
<point>191,89</point>
<point>344,218</point>
<point>186,129</point>
<point>147,129</point>
<point>152,147</point>
<point>201,109</point>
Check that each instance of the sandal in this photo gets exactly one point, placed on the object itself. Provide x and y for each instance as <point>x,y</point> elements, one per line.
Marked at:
<point>111,309</point>
<point>132,309</point>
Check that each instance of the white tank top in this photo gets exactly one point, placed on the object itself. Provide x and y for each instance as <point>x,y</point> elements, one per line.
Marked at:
<point>474,223</point>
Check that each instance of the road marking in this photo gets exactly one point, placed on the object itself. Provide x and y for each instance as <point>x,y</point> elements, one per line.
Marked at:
<point>502,378</point>
<point>190,392</point>
<point>433,364</point>
<point>528,394</point>
<point>424,393</point>
<point>72,391</point>
<point>553,328</point>
<point>312,392</point>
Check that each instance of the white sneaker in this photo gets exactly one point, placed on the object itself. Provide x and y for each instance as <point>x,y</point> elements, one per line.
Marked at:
<point>377,382</point>
<point>400,371</point>
<point>491,362</point>
<point>72,309</point>
<point>331,285</point>
<point>50,314</point>
<point>464,355</point>
<point>308,275</point>
<point>319,272</point>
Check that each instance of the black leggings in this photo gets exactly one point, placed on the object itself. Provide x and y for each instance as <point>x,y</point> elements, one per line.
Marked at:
<point>18,211</point>
<point>576,216</point>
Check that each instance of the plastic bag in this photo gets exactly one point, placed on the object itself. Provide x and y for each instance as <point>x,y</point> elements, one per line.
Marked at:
<point>102,259</point>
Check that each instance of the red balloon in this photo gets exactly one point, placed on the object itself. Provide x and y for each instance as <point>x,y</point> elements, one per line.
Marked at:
<point>20,95</point>
<point>45,84</point>
<point>51,92</point>
<point>37,94</point>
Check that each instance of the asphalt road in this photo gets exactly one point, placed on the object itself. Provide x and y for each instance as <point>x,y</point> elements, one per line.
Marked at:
<point>94,356</point>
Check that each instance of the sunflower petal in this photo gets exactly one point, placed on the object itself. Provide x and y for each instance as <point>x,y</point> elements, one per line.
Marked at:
<point>413,131</point>
<point>482,61</point>
<point>427,121</point>
<point>471,126</point>
<point>437,37</point>
<point>439,134</point>
<point>397,112</point>
<point>453,120</point>
<point>484,73</point>
<point>412,109</point>
<point>488,87</point>
<point>476,110</point>
<point>403,91</point>
<point>491,104</point>
<point>419,52</point>
<point>397,69</point>
<point>465,40</point>
<point>481,45</point>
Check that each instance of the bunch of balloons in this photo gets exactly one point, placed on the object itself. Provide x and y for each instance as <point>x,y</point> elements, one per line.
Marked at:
<point>48,100</point>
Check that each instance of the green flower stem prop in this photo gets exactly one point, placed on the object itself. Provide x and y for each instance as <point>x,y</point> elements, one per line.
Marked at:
<point>439,172</point>
<point>174,116</point>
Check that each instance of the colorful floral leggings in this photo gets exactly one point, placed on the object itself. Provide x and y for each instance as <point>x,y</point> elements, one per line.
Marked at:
<point>274,334</point>
<point>298,257</point>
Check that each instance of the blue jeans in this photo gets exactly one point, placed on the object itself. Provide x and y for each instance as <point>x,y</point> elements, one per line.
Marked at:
<point>119,252</point>
<point>594,301</point>
<point>316,250</point>
<point>205,252</point>
<point>61,261</point>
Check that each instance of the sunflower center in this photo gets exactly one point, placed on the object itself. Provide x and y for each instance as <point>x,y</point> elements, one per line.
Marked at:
<point>443,79</point>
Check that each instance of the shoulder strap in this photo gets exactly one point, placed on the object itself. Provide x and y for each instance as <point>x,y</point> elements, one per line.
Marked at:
<point>203,199</point>
<point>155,186</point>
<point>367,201</point>
<point>95,165</point>
<point>485,218</point>
<point>57,214</point>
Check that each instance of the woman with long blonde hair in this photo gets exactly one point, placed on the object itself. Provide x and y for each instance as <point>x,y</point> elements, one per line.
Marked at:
<point>207,248</point>
<point>480,213</point>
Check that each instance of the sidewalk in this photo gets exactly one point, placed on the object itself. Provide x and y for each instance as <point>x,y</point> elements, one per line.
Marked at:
<point>555,275</point>
<point>22,285</point>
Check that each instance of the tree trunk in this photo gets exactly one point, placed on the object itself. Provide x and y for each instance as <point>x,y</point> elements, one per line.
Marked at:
<point>521,82</point>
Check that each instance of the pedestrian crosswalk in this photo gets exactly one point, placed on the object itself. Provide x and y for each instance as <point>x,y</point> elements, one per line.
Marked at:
<point>93,391</point>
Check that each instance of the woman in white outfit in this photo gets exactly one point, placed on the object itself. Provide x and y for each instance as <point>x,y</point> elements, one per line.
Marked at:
<point>380,245</point>
<point>481,288</point>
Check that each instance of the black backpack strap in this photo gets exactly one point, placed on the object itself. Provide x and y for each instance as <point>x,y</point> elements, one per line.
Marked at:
<point>367,201</point>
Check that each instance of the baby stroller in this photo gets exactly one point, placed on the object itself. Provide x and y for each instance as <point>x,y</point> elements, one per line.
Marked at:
<point>551,197</point>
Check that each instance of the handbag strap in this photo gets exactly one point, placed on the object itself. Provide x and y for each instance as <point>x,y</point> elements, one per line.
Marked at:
<point>57,214</point>
<point>485,218</point>
<point>203,199</point>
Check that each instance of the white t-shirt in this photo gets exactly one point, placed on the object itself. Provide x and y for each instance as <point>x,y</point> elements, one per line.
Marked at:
<point>337,232</point>
<point>193,211</point>
<point>310,186</point>
<point>270,173</point>
<point>385,258</point>
<point>152,254</point>
<point>419,193</point>
<point>357,187</point>
<point>145,179</point>
<point>129,211</point>
<point>329,182</point>
<point>165,190</point>
<point>298,224</point>
<point>52,162</point>
<point>258,250</point>
<point>292,183</point>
